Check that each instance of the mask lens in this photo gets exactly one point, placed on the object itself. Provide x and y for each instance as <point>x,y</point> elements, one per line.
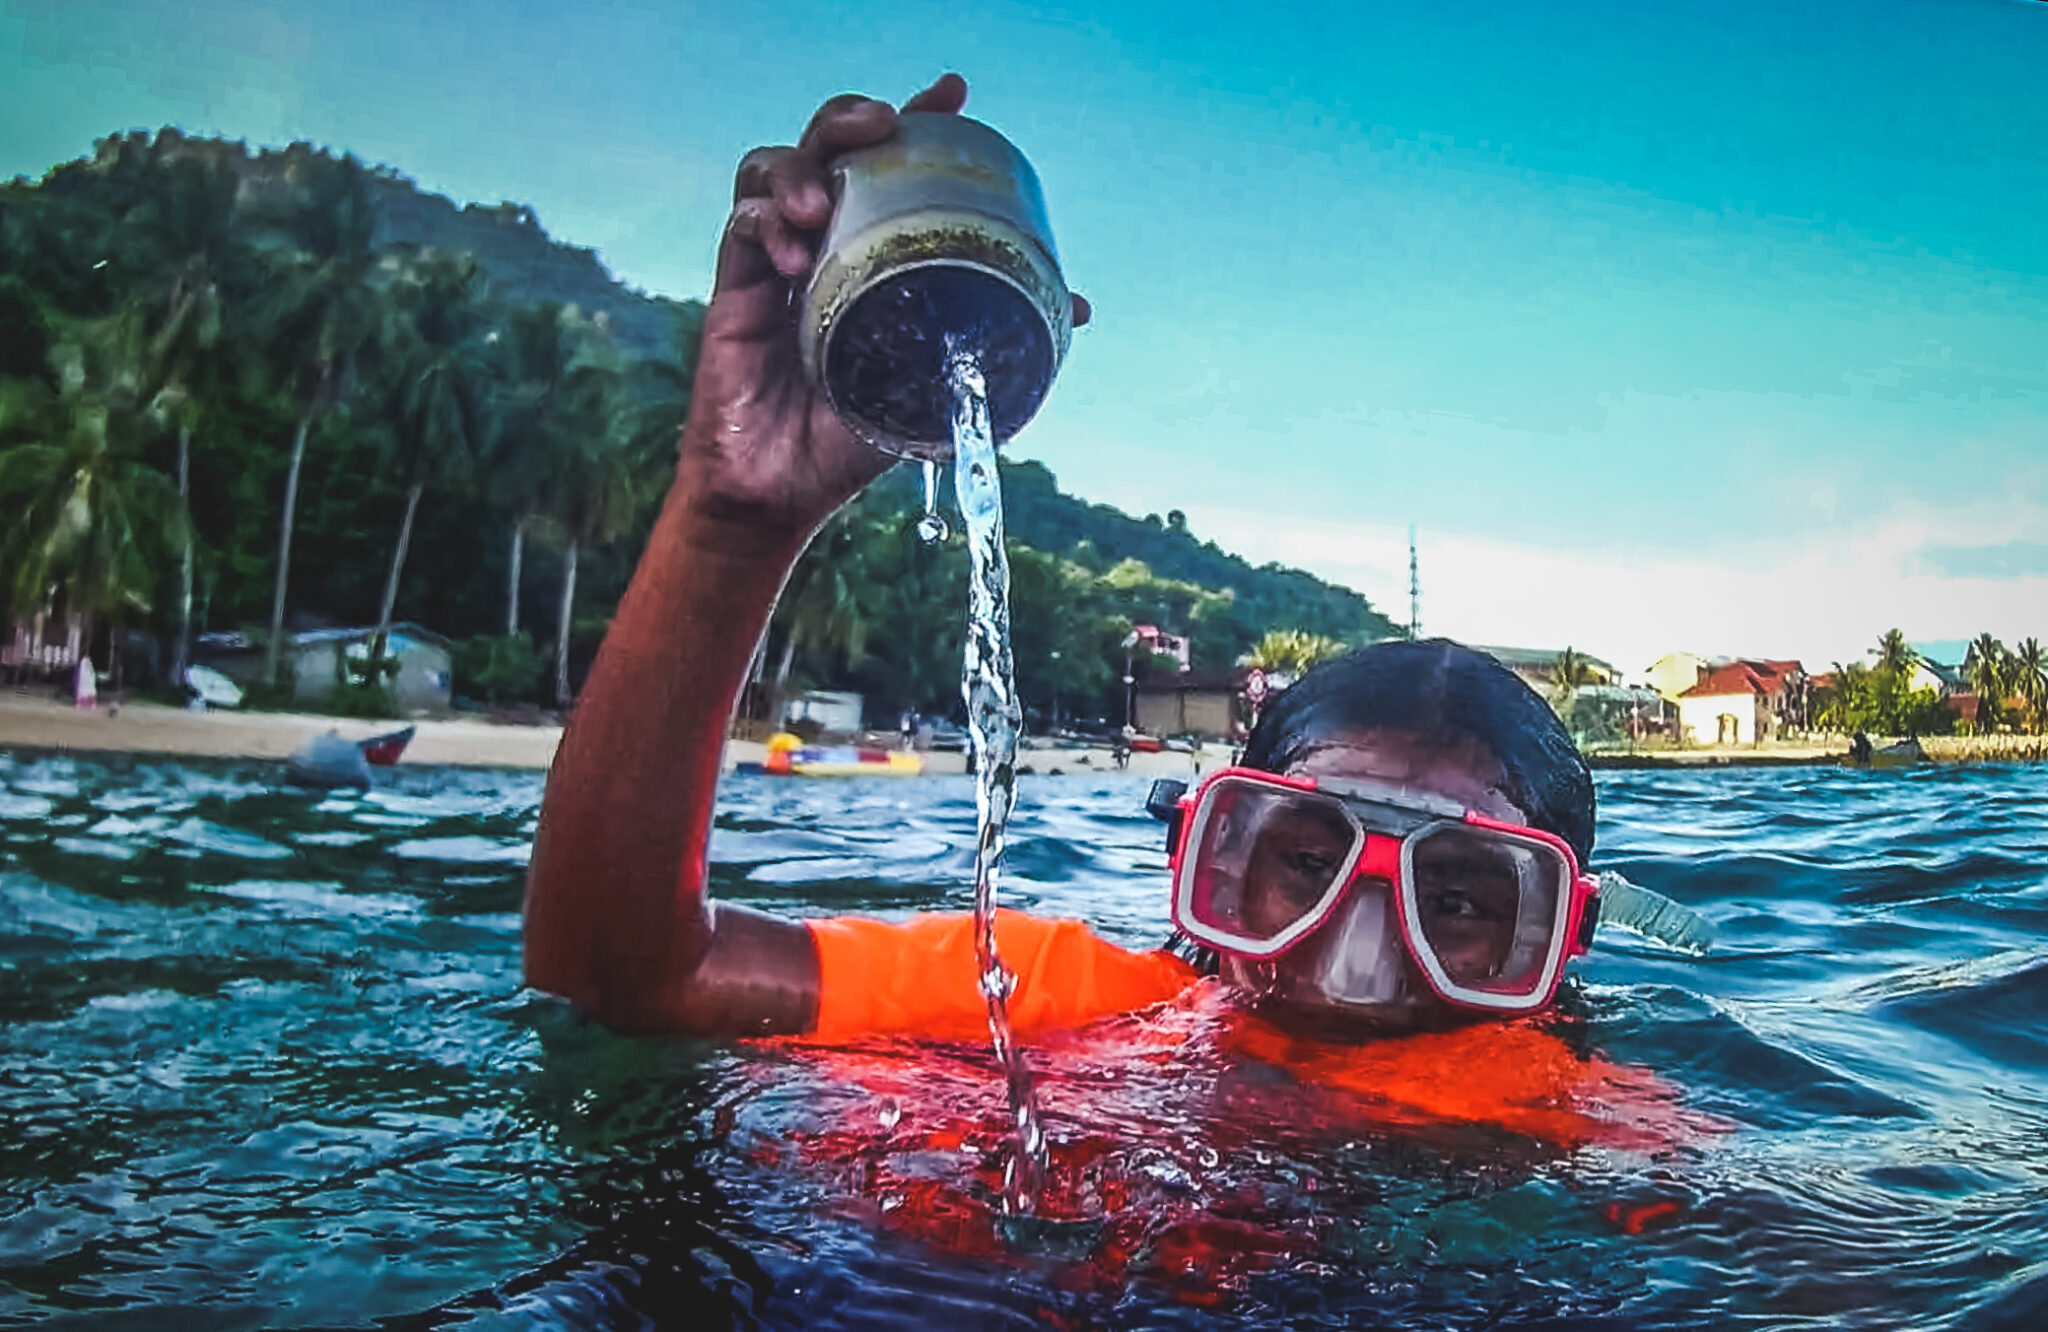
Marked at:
<point>1265,860</point>
<point>1487,906</point>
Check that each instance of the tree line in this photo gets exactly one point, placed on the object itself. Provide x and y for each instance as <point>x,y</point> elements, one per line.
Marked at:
<point>2010,686</point>
<point>218,387</point>
<point>230,399</point>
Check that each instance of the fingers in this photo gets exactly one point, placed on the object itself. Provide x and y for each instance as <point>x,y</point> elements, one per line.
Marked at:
<point>1083,311</point>
<point>846,121</point>
<point>793,181</point>
<point>761,222</point>
<point>780,195</point>
<point>947,94</point>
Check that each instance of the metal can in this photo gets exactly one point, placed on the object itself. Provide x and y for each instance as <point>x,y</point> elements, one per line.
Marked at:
<point>939,238</point>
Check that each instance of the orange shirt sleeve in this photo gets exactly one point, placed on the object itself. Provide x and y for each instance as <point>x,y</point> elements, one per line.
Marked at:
<point>917,977</point>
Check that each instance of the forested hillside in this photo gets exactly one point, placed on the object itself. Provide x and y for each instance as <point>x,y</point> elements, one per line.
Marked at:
<point>439,414</point>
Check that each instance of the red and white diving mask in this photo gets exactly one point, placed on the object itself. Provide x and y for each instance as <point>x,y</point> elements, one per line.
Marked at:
<point>1370,877</point>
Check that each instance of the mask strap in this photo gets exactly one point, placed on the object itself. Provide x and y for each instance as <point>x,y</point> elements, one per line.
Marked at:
<point>1653,916</point>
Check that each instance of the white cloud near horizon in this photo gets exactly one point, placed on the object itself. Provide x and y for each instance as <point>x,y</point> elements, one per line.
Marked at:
<point>1818,601</point>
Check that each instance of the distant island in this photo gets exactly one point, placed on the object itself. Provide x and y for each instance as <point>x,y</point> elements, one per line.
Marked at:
<point>262,393</point>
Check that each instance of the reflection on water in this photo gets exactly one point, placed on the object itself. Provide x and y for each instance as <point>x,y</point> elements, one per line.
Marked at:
<point>265,1061</point>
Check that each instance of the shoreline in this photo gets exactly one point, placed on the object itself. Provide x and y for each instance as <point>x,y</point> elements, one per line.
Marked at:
<point>33,720</point>
<point>1803,756</point>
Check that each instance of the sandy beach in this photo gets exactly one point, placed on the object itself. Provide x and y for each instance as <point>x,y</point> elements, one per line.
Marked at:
<point>37,721</point>
<point>33,720</point>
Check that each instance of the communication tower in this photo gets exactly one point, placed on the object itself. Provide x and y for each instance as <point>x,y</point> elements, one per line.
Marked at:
<point>1414,589</point>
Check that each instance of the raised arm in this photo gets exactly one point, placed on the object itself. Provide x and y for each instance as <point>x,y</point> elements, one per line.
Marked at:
<point>617,917</point>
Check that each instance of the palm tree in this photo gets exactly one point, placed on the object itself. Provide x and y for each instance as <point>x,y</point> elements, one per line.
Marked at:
<point>536,354</point>
<point>1894,654</point>
<point>185,227</point>
<point>1291,652</point>
<point>2029,679</point>
<point>600,485</point>
<point>436,388</point>
<point>831,600</point>
<point>318,319</point>
<point>1984,667</point>
<point>550,354</point>
<point>1568,674</point>
<point>85,513</point>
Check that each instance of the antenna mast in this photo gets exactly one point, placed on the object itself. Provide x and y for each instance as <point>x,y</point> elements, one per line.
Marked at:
<point>1414,589</point>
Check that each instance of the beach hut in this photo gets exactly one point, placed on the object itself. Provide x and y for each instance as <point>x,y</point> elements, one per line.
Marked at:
<point>423,685</point>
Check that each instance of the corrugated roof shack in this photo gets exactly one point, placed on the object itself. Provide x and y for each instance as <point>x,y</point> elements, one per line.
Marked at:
<point>318,660</point>
<point>423,686</point>
<point>1200,703</point>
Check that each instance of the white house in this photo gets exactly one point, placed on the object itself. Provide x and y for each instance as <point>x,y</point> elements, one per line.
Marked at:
<point>1729,706</point>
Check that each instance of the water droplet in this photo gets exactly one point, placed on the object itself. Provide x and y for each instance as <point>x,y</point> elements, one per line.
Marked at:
<point>931,528</point>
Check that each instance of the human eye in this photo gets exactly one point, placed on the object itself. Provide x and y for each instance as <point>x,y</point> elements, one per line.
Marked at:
<point>1311,862</point>
<point>1468,902</point>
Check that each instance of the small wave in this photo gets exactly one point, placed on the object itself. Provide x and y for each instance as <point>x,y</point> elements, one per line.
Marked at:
<point>319,900</point>
<point>470,850</point>
<point>216,840</point>
<point>1996,1006</point>
<point>85,846</point>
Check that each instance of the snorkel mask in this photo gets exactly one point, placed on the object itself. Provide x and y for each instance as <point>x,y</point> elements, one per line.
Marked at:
<point>1360,886</point>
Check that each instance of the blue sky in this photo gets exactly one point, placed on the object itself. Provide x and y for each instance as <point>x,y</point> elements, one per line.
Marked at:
<point>1717,327</point>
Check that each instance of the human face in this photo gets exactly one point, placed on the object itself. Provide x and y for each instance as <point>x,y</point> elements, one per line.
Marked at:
<point>1374,986</point>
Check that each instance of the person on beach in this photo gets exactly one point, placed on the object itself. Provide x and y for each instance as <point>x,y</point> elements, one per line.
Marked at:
<point>1399,850</point>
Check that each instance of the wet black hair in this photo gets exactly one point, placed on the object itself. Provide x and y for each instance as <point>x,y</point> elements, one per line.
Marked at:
<point>1437,689</point>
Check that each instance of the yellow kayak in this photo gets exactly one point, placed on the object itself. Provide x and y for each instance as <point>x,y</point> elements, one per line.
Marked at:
<point>789,756</point>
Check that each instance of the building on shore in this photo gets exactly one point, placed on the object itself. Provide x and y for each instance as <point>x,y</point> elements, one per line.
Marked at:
<point>1202,703</point>
<point>1675,672</point>
<point>318,660</point>
<point>1743,702</point>
<point>1945,681</point>
<point>42,646</point>
<point>832,711</point>
<point>1632,712</point>
<point>1537,666</point>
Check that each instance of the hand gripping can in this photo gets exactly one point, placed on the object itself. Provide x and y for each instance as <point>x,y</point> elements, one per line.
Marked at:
<point>939,237</point>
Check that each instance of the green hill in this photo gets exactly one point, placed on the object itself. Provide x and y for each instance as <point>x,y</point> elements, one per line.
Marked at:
<point>1039,513</point>
<point>524,262</point>
<point>109,243</point>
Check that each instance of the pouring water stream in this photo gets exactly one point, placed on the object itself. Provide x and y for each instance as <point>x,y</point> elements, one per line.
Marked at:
<point>993,718</point>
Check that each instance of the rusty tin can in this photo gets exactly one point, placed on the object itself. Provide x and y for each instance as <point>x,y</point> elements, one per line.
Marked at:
<point>939,236</point>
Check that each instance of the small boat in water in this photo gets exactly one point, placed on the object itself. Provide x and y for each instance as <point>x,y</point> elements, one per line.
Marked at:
<point>330,762</point>
<point>383,751</point>
<point>1900,754</point>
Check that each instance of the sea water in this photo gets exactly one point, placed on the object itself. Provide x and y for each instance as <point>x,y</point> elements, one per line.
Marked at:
<point>266,1061</point>
<point>988,684</point>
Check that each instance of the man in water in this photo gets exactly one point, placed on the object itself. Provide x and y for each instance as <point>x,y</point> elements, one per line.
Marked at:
<point>1400,851</point>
